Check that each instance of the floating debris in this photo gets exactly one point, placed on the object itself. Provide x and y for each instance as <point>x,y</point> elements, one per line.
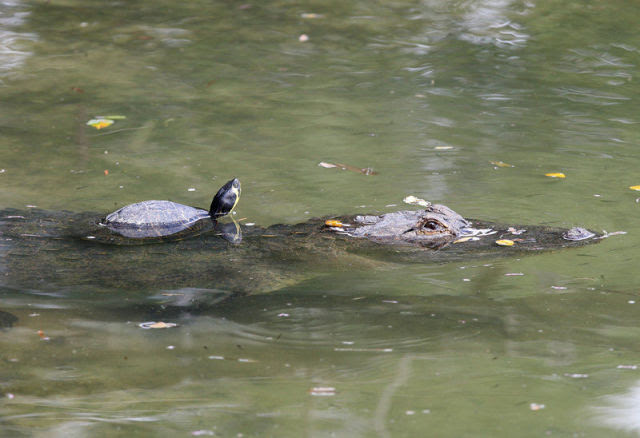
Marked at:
<point>466,239</point>
<point>615,233</point>
<point>559,287</point>
<point>515,232</point>
<point>333,223</point>
<point>416,201</point>
<point>43,337</point>
<point>443,148</point>
<point>363,170</point>
<point>505,242</point>
<point>637,188</point>
<point>323,391</point>
<point>576,375</point>
<point>555,175</point>
<point>100,123</point>
<point>501,164</point>
<point>480,232</point>
<point>203,432</point>
<point>627,367</point>
<point>156,325</point>
<point>536,406</point>
<point>514,274</point>
<point>311,15</point>
<point>303,38</point>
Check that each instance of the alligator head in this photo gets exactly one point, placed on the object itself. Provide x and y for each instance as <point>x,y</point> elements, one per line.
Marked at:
<point>432,227</point>
<point>437,225</point>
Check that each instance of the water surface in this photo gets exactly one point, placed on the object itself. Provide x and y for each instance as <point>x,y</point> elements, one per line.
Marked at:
<point>427,94</point>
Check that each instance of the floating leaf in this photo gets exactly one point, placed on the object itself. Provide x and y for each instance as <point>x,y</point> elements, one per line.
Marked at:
<point>100,123</point>
<point>505,242</point>
<point>501,164</point>
<point>416,201</point>
<point>635,188</point>
<point>333,223</point>
<point>555,175</point>
<point>466,239</point>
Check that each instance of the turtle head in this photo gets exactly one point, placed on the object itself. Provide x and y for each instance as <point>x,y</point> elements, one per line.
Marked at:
<point>226,199</point>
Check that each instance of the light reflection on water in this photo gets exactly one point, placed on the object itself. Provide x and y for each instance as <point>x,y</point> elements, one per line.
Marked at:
<point>13,44</point>
<point>621,411</point>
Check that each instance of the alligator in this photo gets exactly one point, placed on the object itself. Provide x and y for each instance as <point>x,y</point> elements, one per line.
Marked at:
<point>47,250</point>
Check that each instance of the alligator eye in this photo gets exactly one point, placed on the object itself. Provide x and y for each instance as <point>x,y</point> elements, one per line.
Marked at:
<point>431,225</point>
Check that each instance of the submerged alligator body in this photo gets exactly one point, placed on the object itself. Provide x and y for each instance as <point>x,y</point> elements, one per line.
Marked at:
<point>44,251</point>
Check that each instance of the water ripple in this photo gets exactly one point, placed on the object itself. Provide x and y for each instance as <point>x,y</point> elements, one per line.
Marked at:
<point>13,44</point>
<point>487,22</point>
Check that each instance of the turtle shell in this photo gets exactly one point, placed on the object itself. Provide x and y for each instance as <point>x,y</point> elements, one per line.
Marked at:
<point>156,219</point>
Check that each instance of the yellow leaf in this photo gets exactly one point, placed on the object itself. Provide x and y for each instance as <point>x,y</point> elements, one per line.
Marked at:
<point>505,242</point>
<point>555,175</point>
<point>333,223</point>
<point>501,164</point>
<point>463,239</point>
<point>100,123</point>
<point>635,188</point>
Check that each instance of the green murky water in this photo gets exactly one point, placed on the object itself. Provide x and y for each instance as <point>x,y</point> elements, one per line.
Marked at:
<point>426,93</point>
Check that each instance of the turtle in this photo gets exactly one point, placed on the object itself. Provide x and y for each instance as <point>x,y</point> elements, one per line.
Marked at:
<point>162,220</point>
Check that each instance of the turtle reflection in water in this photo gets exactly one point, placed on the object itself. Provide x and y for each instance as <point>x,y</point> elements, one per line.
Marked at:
<point>49,250</point>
